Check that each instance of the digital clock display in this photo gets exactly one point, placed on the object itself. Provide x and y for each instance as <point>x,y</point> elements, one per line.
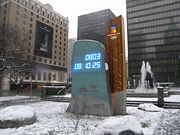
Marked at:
<point>89,61</point>
<point>88,70</point>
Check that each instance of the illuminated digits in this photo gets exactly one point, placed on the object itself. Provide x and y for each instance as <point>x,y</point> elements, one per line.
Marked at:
<point>78,66</point>
<point>98,56</point>
<point>98,64</point>
<point>87,57</point>
<point>88,65</point>
<point>93,56</point>
<point>94,65</point>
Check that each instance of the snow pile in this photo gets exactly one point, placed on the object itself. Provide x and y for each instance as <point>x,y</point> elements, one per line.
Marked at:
<point>17,116</point>
<point>115,126</point>
<point>19,112</point>
<point>148,120</point>
<point>149,107</point>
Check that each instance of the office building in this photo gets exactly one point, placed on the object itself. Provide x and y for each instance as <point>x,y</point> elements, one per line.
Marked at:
<point>153,36</point>
<point>48,37</point>
<point>93,25</point>
<point>71,42</point>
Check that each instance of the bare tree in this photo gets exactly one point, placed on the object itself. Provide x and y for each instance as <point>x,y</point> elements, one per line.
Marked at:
<point>14,44</point>
<point>79,109</point>
<point>17,74</point>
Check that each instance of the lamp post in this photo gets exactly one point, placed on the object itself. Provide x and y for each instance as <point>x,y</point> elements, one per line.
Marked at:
<point>29,69</point>
<point>31,85</point>
<point>2,59</point>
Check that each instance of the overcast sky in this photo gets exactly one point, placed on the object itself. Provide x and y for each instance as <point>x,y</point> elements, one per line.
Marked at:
<point>74,8</point>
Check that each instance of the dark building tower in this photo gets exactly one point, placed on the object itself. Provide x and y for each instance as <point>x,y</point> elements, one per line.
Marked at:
<point>93,25</point>
<point>154,36</point>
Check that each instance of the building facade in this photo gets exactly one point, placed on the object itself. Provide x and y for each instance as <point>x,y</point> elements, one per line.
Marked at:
<point>154,37</point>
<point>93,25</point>
<point>47,37</point>
<point>71,42</point>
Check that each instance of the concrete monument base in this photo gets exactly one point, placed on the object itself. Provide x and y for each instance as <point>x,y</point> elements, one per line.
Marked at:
<point>119,103</point>
<point>87,105</point>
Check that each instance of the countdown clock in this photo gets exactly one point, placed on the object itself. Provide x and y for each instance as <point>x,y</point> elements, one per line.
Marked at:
<point>90,61</point>
<point>89,76</point>
<point>89,79</point>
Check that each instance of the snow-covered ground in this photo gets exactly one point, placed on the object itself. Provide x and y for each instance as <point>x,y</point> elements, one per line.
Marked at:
<point>52,118</point>
<point>171,98</point>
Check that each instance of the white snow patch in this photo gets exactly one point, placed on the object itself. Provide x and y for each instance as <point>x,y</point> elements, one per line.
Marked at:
<point>140,99</point>
<point>144,90</point>
<point>172,98</point>
<point>19,112</point>
<point>149,107</point>
<point>115,125</point>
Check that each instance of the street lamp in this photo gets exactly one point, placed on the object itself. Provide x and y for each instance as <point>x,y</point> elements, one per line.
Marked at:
<point>2,59</point>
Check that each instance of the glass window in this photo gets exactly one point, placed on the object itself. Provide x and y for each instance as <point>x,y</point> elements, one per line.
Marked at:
<point>44,76</point>
<point>39,75</point>
<point>17,19</point>
<point>17,13</point>
<point>25,3</point>
<point>33,77</point>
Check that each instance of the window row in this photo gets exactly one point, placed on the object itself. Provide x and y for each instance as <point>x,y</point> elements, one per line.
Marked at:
<point>135,6</point>
<point>45,76</point>
<point>166,35</point>
<point>153,17</point>
<point>168,20</point>
<point>44,11</point>
<point>161,42</point>
<point>156,9</point>
<point>161,28</point>
<point>51,23</point>
<point>64,63</point>
<point>158,49</point>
